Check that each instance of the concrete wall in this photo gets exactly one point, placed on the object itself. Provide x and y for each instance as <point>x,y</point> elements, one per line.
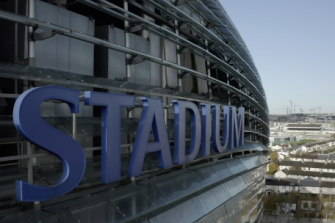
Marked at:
<point>312,190</point>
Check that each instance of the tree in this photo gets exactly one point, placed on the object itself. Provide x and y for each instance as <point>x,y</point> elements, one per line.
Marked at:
<point>296,166</point>
<point>273,155</point>
<point>333,135</point>
<point>294,196</point>
<point>273,167</point>
<point>327,207</point>
<point>270,202</point>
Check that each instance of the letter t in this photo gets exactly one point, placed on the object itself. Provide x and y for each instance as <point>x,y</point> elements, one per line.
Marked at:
<point>110,130</point>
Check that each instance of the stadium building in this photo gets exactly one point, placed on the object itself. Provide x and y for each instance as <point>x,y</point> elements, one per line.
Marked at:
<point>128,111</point>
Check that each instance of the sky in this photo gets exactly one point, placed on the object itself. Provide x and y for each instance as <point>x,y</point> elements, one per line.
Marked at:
<point>293,45</point>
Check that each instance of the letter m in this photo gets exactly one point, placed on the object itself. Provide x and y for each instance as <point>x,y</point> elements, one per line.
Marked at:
<point>236,127</point>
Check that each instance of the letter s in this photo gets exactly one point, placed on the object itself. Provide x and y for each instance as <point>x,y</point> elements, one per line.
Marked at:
<point>29,123</point>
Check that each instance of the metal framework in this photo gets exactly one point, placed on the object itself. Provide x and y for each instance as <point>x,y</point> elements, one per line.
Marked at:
<point>249,100</point>
<point>199,28</point>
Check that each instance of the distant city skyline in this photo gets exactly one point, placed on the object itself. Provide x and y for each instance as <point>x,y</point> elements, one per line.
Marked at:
<point>292,44</point>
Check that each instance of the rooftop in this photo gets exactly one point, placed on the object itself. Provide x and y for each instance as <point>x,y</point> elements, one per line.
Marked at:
<point>284,182</point>
<point>306,183</point>
<point>304,125</point>
<point>307,164</point>
<point>314,156</point>
<point>308,173</point>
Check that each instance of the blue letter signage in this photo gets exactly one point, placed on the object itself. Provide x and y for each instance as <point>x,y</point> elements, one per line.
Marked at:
<point>110,130</point>
<point>29,123</point>
<point>204,127</point>
<point>152,116</point>
<point>237,128</point>
<point>219,146</point>
<point>180,154</point>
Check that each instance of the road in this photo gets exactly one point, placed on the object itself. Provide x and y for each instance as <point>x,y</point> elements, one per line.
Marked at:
<point>283,219</point>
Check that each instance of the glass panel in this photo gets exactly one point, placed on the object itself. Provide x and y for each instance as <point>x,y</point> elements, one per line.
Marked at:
<point>249,162</point>
<point>213,198</point>
<point>247,178</point>
<point>88,210</point>
<point>219,214</point>
<point>109,206</point>
<point>222,170</point>
<point>188,211</point>
<point>234,186</point>
<point>168,189</point>
<point>29,217</point>
<point>208,174</point>
<point>190,180</point>
<point>232,206</point>
<point>134,201</point>
<point>235,166</point>
<point>8,176</point>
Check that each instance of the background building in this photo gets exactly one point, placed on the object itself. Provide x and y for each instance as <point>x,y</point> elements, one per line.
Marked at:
<point>152,48</point>
<point>303,127</point>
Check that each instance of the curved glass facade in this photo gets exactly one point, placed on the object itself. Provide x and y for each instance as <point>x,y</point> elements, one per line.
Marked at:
<point>171,50</point>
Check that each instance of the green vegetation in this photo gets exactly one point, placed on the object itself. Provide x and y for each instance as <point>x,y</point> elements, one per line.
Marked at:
<point>307,204</point>
<point>268,173</point>
<point>274,200</point>
<point>300,142</point>
<point>329,150</point>
<point>321,205</point>
<point>319,151</point>
<point>273,167</point>
<point>270,202</point>
<point>273,155</point>
<point>296,166</point>
<point>327,207</point>
<point>305,156</point>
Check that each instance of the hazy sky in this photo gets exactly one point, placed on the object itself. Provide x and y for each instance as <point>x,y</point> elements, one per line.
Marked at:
<point>293,45</point>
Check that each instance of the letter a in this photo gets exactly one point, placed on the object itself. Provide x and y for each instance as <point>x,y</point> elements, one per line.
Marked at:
<point>152,116</point>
